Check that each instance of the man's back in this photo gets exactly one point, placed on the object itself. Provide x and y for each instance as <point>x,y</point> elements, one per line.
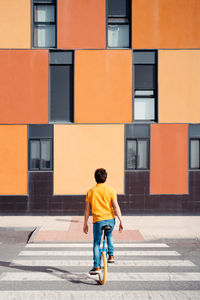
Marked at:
<point>100,198</point>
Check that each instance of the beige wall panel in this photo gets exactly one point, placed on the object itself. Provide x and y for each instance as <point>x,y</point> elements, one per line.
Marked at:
<point>80,149</point>
<point>15,24</point>
<point>179,86</point>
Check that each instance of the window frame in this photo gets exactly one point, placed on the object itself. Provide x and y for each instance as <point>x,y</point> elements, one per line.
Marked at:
<point>147,153</point>
<point>154,90</point>
<point>122,20</point>
<point>190,152</point>
<point>40,150</point>
<point>43,3</point>
<point>56,61</point>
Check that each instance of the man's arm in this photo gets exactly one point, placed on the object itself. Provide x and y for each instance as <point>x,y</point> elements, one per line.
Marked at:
<point>86,216</point>
<point>118,213</point>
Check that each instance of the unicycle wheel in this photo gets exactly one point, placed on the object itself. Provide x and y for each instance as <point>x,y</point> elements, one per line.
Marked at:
<point>103,269</point>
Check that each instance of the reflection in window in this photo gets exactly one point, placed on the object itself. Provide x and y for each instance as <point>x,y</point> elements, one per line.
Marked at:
<point>137,154</point>
<point>45,154</point>
<point>194,154</point>
<point>131,154</point>
<point>118,36</point>
<point>35,154</point>
<point>144,109</point>
<point>118,23</point>
<point>142,155</point>
<point>40,154</point>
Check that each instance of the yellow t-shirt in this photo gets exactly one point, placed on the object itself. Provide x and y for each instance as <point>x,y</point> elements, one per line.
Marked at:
<point>100,198</point>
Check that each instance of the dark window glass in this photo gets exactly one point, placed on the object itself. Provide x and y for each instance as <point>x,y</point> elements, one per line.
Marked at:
<point>137,154</point>
<point>35,154</point>
<point>144,57</point>
<point>40,131</point>
<point>61,93</point>
<point>119,7</point>
<point>44,18</point>
<point>144,77</point>
<point>194,154</point>
<point>134,131</point>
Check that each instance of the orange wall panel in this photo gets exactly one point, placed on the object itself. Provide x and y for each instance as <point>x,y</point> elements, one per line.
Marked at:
<point>15,24</point>
<point>80,149</point>
<point>166,24</point>
<point>81,24</point>
<point>13,160</point>
<point>24,86</point>
<point>103,86</point>
<point>179,86</point>
<point>169,159</point>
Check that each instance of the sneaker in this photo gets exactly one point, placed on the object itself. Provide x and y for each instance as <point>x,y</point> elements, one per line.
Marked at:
<point>94,271</point>
<point>111,259</point>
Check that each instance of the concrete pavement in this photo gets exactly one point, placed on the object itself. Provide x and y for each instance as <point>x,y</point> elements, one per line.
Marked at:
<point>136,228</point>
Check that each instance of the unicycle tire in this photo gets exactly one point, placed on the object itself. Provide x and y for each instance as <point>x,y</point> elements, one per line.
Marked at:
<point>103,270</point>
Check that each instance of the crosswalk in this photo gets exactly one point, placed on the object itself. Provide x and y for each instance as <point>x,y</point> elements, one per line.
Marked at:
<point>60,271</point>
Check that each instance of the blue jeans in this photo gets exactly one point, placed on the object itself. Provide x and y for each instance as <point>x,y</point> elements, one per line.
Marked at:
<point>97,233</point>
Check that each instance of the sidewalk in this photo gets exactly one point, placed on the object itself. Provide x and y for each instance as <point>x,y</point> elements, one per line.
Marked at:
<point>136,228</point>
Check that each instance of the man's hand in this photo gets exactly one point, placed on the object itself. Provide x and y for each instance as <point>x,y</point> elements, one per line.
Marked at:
<point>86,216</point>
<point>85,228</point>
<point>121,227</point>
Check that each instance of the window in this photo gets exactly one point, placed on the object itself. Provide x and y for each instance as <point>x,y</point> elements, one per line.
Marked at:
<point>118,23</point>
<point>145,85</point>
<point>194,154</point>
<point>61,82</point>
<point>137,154</point>
<point>44,23</point>
<point>40,147</point>
<point>137,147</point>
<point>194,146</point>
<point>40,154</point>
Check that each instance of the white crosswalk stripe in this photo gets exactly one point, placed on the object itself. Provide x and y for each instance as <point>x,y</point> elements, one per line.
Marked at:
<point>108,295</point>
<point>84,245</point>
<point>118,263</point>
<point>65,266</point>
<point>88,253</point>
<point>130,276</point>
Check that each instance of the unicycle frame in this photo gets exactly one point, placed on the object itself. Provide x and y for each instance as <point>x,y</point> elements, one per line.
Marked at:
<point>103,256</point>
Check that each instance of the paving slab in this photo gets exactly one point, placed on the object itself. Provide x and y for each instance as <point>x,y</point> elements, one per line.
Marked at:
<point>136,228</point>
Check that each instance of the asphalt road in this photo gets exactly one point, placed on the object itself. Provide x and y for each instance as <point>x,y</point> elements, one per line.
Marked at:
<point>161,269</point>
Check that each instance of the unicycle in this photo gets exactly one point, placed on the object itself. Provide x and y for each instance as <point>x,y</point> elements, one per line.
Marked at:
<point>103,257</point>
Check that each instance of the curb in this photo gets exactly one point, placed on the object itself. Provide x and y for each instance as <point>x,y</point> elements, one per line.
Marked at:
<point>17,228</point>
<point>33,234</point>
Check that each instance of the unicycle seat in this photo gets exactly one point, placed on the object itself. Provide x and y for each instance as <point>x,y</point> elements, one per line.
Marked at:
<point>106,227</point>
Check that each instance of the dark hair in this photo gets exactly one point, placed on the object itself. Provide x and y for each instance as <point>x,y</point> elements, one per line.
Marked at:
<point>100,175</point>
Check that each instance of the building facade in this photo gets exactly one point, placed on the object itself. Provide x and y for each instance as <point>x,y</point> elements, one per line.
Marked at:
<point>99,83</point>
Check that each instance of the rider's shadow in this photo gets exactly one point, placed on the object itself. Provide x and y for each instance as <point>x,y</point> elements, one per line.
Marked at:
<point>62,274</point>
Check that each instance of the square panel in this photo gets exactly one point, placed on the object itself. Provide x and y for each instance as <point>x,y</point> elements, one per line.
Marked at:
<point>13,160</point>
<point>169,159</point>
<point>80,150</point>
<point>24,86</point>
<point>81,24</point>
<point>103,86</point>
